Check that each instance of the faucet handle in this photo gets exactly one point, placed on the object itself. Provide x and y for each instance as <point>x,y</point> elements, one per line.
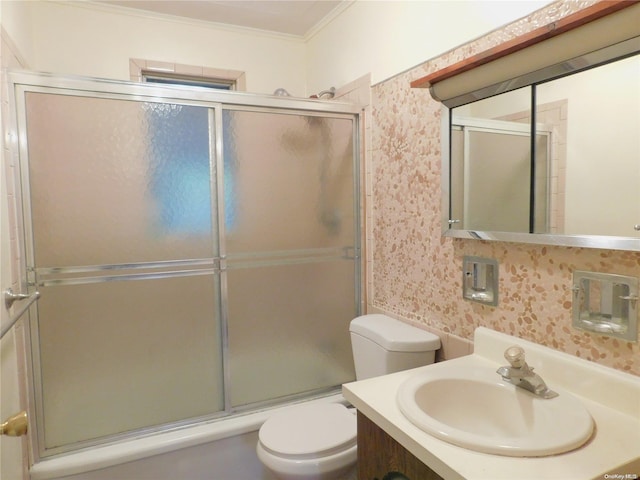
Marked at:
<point>515,356</point>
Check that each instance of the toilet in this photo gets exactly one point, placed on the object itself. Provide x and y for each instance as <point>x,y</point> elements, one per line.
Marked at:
<point>318,441</point>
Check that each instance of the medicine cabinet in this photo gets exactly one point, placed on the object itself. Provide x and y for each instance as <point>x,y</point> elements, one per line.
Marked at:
<point>547,155</point>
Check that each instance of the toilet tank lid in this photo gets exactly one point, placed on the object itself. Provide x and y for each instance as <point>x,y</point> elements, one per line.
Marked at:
<point>394,335</point>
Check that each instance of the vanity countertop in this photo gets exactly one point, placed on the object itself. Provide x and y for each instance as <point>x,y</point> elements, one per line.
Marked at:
<point>612,398</point>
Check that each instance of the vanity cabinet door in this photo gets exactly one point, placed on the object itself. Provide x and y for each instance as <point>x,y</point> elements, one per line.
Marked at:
<point>380,457</point>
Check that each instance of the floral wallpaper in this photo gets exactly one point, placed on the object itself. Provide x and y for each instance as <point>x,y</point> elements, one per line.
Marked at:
<point>416,274</point>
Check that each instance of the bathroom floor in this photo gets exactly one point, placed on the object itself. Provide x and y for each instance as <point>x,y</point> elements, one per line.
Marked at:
<point>353,475</point>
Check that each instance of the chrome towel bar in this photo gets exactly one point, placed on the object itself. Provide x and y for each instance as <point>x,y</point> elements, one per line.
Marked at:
<point>9,299</point>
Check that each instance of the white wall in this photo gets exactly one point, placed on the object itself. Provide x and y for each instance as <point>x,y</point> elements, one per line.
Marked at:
<point>389,37</point>
<point>16,22</point>
<point>378,37</point>
<point>98,41</point>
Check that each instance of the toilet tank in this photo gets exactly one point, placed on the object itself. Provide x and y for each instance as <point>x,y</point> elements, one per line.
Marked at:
<point>382,345</point>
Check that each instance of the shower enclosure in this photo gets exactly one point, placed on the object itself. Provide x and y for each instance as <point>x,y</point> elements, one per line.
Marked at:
<point>197,253</point>
<point>491,174</point>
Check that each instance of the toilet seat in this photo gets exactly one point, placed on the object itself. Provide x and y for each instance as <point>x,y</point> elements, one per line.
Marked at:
<point>309,431</point>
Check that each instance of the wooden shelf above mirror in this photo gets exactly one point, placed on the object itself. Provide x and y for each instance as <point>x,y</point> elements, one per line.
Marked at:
<point>589,14</point>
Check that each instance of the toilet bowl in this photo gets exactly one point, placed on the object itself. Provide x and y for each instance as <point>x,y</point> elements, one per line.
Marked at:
<point>309,442</point>
<point>318,441</point>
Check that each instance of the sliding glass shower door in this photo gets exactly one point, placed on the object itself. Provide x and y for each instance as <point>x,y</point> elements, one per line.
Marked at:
<point>123,252</point>
<point>289,239</point>
<point>194,258</point>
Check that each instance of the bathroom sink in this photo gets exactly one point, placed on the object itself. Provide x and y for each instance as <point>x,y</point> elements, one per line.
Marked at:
<point>476,409</point>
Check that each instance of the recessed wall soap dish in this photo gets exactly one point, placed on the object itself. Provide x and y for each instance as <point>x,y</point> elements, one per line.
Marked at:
<point>480,280</point>
<point>606,304</point>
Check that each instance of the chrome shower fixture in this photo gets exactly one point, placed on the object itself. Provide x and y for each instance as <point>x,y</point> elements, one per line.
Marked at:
<point>330,93</point>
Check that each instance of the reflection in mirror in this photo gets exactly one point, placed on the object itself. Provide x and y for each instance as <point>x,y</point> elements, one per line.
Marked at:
<point>585,176</point>
<point>595,121</point>
<point>491,167</point>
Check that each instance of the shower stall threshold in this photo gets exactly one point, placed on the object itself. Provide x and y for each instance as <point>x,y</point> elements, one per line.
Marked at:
<point>109,458</point>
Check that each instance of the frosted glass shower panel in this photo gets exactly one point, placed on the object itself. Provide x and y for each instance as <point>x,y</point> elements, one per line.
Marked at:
<point>288,180</point>
<point>195,258</point>
<point>289,332</point>
<point>290,235</point>
<point>125,355</point>
<point>116,181</point>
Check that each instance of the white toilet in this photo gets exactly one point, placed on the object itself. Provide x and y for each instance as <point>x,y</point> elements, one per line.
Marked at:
<point>318,441</point>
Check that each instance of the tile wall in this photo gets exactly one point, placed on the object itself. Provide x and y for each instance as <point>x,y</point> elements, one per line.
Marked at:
<point>416,274</point>
<point>10,59</point>
<point>15,461</point>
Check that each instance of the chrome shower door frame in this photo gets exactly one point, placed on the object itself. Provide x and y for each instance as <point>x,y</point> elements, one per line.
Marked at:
<point>215,101</point>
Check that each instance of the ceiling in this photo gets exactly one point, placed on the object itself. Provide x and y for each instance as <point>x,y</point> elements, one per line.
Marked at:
<point>293,17</point>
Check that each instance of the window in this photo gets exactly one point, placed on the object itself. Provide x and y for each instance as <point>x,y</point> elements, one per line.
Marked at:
<point>177,79</point>
<point>141,70</point>
<point>182,185</point>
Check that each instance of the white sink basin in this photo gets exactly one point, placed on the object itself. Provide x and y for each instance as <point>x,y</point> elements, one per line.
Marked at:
<point>475,409</point>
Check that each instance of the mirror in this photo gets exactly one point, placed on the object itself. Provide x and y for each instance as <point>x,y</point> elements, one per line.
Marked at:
<point>577,183</point>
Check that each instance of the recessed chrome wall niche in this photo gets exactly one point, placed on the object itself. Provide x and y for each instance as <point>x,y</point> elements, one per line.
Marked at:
<point>606,304</point>
<point>480,280</point>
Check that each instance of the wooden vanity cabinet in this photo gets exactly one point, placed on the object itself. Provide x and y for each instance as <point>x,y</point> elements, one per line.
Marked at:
<point>380,457</point>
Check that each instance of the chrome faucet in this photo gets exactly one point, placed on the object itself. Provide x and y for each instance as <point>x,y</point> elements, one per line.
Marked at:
<point>521,375</point>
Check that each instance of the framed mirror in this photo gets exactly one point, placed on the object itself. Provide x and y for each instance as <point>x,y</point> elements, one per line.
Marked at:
<point>550,158</point>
